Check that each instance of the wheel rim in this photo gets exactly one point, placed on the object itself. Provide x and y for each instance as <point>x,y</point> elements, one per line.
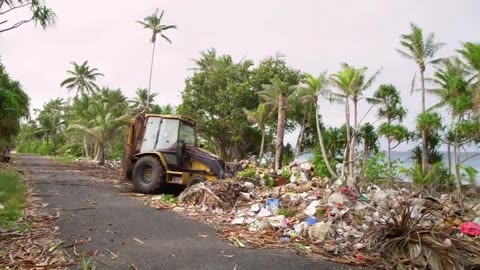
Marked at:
<point>147,174</point>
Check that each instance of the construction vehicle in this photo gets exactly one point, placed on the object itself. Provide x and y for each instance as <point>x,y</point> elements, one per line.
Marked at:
<point>162,149</point>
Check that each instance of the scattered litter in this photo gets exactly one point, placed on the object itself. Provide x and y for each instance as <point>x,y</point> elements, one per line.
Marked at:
<point>138,240</point>
<point>340,221</point>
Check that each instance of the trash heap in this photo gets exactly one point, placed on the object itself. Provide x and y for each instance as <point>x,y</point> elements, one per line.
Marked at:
<point>339,221</point>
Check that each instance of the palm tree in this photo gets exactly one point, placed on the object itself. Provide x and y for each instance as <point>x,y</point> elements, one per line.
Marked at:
<point>51,118</point>
<point>455,93</point>
<point>422,50</point>
<point>83,79</point>
<point>102,128</point>
<point>115,99</point>
<point>154,24</point>
<point>310,93</point>
<point>471,53</point>
<point>276,96</point>
<point>142,99</point>
<point>260,117</point>
<point>351,83</point>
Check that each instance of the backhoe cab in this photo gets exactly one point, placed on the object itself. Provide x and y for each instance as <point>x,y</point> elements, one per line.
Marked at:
<point>162,149</point>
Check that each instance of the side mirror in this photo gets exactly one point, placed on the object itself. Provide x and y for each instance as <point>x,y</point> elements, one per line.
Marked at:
<point>180,152</point>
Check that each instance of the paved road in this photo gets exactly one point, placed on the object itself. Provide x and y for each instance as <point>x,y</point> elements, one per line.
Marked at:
<point>170,241</point>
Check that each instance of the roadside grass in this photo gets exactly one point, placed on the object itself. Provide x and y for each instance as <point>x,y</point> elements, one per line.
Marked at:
<point>12,197</point>
<point>64,159</point>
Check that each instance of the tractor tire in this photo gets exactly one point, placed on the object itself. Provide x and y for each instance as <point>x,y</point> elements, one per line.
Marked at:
<point>195,180</point>
<point>148,175</point>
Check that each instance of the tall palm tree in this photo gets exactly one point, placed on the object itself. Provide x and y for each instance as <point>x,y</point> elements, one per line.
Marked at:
<point>142,99</point>
<point>154,23</point>
<point>310,93</point>
<point>351,83</point>
<point>82,78</point>
<point>454,82</point>
<point>260,117</point>
<point>276,96</point>
<point>422,50</point>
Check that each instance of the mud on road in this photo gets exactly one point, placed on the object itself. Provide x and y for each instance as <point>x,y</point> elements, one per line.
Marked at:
<point>125,234</point>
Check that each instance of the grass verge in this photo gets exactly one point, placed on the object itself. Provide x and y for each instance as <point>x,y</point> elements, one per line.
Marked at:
<point>64,159</point>
<point>12,198</point>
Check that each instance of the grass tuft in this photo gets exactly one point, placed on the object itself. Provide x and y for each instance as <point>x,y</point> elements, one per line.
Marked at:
<point>12,197</point>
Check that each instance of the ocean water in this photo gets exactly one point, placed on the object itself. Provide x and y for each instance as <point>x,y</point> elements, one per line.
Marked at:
<point>405,158</point>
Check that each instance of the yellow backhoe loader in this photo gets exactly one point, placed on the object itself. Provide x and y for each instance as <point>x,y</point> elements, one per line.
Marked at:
<point>162,149</point>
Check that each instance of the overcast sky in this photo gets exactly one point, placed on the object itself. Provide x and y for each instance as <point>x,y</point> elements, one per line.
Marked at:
<point>314,36</point>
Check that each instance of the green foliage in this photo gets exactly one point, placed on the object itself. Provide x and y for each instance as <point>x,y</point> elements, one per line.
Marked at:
<point>436,176</point>
<point>88,264</point>
<point>287,212</point>
<point>287,154</point>
<point>37,11</point>
<point>376,168</point>
<point>12,197</point>
<point>82,79</point>
<point>286,173</point>
<point>154,23</point>
<point>215,96</point>
<point>394,132</point>
<point>13,106</point>
<point>430,121</point>
<point>269,181</point>
<point>470,173</point>
<point>318,163</point>
<point>247,173</point>
<point>169,198</point>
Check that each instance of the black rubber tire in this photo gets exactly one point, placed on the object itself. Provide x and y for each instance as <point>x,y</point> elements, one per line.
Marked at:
<point>140,183</point>
<point>196,180</point>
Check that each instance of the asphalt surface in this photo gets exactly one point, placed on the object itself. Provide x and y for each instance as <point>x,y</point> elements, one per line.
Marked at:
<point>142,237</point>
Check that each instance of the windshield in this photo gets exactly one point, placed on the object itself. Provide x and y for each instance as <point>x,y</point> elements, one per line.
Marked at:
<point>186,133</point>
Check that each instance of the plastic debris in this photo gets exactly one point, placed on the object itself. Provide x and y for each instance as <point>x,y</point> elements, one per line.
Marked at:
<point>311,220</point>
<point>320,230</point>
<point>470,228</point>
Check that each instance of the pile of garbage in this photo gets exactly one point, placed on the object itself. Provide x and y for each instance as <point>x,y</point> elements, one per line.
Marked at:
<point>339,221</point>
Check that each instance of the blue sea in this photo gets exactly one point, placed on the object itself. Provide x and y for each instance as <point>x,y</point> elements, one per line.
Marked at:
<point>405,158</point>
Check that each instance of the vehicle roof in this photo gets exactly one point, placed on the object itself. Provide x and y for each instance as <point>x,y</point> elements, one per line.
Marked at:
<point>179,117</point>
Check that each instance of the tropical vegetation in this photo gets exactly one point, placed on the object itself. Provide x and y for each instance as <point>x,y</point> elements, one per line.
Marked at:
<point>245,108</point>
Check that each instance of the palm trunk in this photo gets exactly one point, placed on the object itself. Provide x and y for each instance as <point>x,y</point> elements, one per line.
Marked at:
<point>300,137</point>
<point>151,72</point>
<point>449,156</point>
<point>389,160</point>
<point>282,117</point>
<point>351,165</point>
<point>456,160</point>
<point>322,146</point>
<point>424,133</point>
<point>346,155</point>
<point>85,145</point>
<point>262,145</point>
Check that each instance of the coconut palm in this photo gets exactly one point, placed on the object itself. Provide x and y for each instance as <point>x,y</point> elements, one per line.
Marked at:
<point>51,119</point>
<point>142,99</point>
<point>310,93</point>
<point>351,82</point>
<point>422,50</point>
<point>102,128</point>
<point>154,23</point>
<point>276,97</point>
<point>260,117</point>
<point>82,78</point>
<point>454,90</point>
<point>471,54</point>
